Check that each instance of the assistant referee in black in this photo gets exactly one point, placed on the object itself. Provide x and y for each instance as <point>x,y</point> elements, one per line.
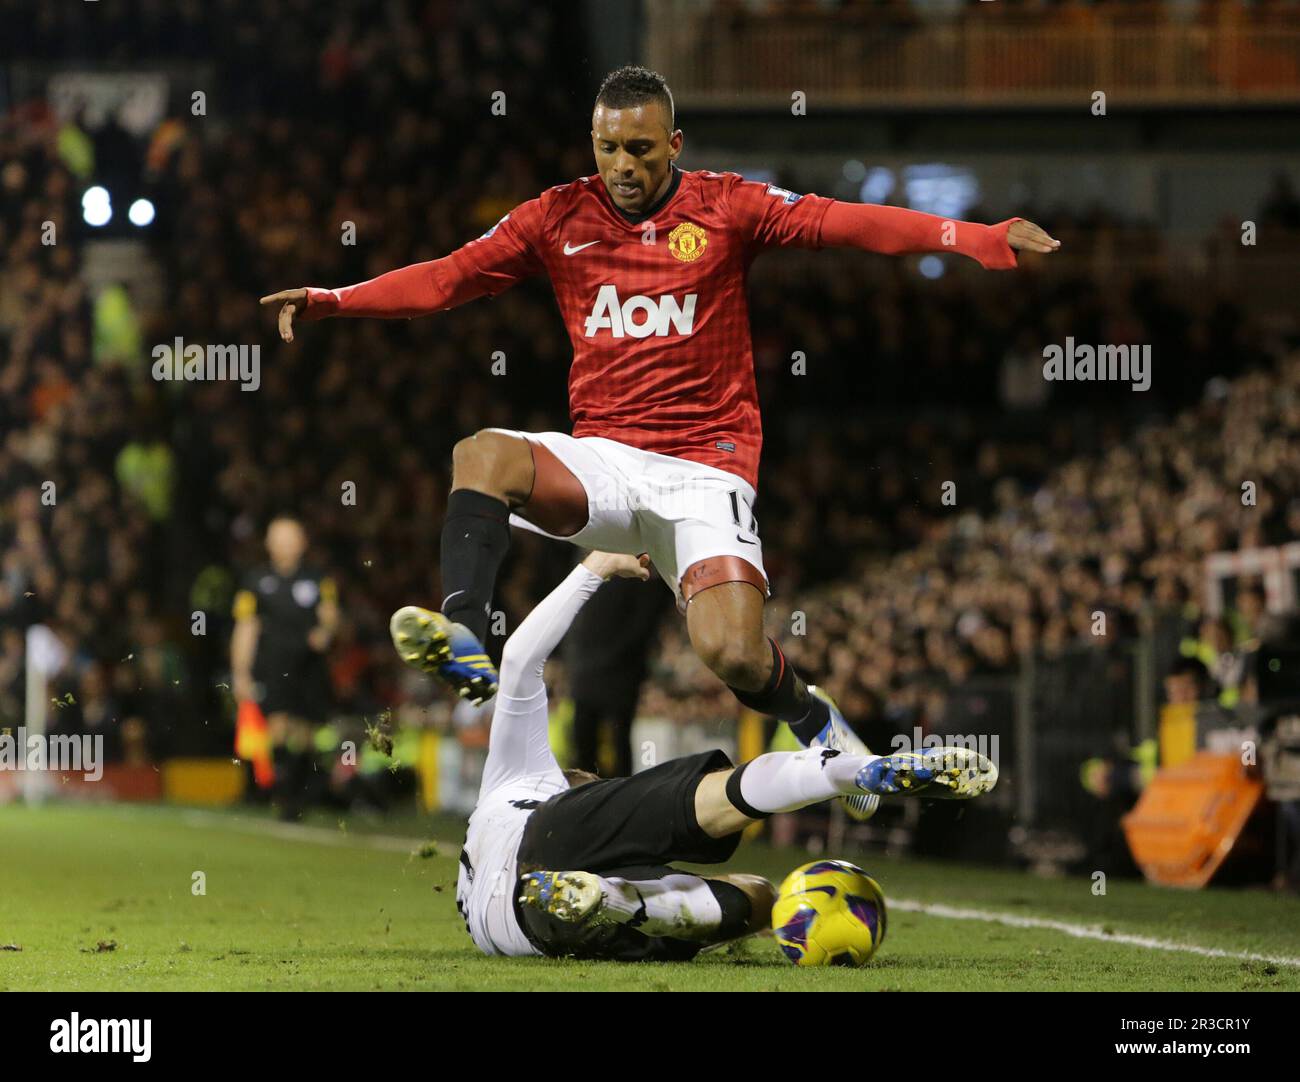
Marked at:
<point>286,614</point>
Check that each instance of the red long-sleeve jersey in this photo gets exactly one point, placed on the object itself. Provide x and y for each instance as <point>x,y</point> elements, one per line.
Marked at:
<point>656,308</point>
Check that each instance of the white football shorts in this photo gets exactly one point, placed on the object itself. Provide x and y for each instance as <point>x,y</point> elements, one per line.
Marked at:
<point>678,511</point>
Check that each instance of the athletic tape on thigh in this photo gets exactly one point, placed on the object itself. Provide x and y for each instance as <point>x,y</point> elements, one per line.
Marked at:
<point>715,570</point>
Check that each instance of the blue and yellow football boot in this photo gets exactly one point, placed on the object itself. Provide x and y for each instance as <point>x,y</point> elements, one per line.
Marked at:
<point>573,897</point>
<point>433,644</point>
<point>950,773</point>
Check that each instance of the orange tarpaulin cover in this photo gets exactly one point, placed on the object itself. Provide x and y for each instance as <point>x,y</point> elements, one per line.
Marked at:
<point>1189,818</point>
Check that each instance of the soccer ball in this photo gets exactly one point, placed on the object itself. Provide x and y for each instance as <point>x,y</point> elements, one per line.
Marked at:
<point>829,913</point>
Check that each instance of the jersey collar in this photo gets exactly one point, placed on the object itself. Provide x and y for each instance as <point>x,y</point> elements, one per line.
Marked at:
<point>650,212</point>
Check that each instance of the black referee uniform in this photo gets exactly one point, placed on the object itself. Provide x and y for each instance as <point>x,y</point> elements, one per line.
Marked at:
<point>291,677</point>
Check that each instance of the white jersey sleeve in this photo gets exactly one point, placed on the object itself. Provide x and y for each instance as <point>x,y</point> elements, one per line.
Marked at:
<point>519,745</point>
<point>520,774</point>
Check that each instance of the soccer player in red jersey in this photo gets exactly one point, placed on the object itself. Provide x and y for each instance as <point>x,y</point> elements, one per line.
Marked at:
<point>648,263</point>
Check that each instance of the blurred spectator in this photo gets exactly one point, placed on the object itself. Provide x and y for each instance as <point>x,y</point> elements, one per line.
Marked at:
<point>1187,682</point>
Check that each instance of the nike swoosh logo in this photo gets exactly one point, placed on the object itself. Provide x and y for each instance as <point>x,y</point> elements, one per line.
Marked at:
<point>744,542</point>
<point>573,249</point>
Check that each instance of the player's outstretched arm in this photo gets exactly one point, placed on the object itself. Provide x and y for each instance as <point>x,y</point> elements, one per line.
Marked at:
<point>504,255</point>
<point>520,740</point>
<point>526,651</point>
<point>898,231</point>
<point>417,290</point>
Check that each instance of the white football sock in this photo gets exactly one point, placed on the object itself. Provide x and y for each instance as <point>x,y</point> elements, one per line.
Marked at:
<point>786,780</point>
<point>677,906</point>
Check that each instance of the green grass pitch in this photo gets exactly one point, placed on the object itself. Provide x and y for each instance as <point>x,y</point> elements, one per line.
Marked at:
<point>100,898</point>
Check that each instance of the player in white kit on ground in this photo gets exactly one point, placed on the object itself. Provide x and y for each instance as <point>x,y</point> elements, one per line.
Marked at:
<point>566,864</point>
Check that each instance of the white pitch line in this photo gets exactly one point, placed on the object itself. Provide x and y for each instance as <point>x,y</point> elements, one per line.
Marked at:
<point>300,832</point>
<point>1082,931</point>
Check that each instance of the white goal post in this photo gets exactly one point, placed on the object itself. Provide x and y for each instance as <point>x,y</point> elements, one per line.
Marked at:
<point>45,655</point>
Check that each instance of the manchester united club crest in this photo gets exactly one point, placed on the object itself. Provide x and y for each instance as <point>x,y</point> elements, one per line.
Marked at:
<point>687,242</point>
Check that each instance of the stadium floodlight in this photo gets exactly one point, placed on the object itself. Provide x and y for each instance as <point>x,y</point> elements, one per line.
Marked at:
<point>877,185</point>
<point>931,266</point>
<point>946,190</point>
<point>141,213</point>
<point>96,206</point>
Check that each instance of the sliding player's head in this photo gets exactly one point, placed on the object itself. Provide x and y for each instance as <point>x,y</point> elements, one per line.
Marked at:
<point>634,138</point>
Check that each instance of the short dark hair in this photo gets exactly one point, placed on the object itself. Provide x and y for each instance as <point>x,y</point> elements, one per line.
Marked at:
<point>633,85</point>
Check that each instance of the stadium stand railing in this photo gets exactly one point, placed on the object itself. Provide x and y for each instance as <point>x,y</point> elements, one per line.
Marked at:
<point>721,57</point>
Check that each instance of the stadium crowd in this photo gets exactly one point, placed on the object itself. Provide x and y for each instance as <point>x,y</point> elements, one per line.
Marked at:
<point>161,490</point>
<point>1121,532</point>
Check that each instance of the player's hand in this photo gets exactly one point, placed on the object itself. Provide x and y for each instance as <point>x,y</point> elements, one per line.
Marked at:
<point>609,565</point>
<point>1024,236</point>
<point>293,302</point>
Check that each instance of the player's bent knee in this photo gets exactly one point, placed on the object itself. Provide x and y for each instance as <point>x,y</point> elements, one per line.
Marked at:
<point>724,617</point>
<point>493,462</point>
<point>488,449</point>
<point>734,661</point>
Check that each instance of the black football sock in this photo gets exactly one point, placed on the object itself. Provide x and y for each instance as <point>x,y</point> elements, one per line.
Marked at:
<point>736,908</point>
<point>281,758</point>
<point>312,780</point>
<point>787,697</point>
<point>475,539</point>
<point>284,791</point>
